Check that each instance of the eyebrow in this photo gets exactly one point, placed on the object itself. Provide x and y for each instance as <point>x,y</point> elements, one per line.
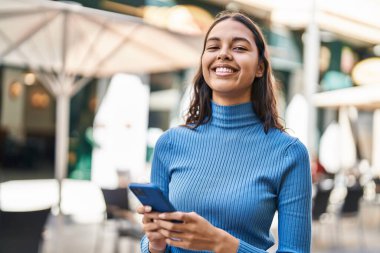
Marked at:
<point>234,39</point>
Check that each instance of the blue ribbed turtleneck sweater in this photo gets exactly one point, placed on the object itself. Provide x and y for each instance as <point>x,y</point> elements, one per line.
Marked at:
<point>236,176</point>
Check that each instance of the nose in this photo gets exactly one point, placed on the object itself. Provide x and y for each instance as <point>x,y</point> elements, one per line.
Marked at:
<point>224,55</point>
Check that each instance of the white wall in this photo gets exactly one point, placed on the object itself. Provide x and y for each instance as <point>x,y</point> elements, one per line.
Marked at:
<point>120,130</point>
<point>39,119</point>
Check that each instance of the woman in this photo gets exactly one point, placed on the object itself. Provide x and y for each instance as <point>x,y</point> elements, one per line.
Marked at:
<point>232,165</point>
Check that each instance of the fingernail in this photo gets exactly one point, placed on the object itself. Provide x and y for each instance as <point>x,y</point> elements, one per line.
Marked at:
<point>162,216</point>
<point>148,208</point>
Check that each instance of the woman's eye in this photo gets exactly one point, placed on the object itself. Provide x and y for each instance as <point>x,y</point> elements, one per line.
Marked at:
<point>240,49</point>
<point>211,48</point>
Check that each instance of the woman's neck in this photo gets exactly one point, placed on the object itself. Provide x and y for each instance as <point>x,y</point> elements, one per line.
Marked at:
<point>233,116</point>
<point>230,100</point>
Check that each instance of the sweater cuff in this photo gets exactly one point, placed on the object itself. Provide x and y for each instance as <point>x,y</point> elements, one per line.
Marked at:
<point>247,248</point>
<point>144,246</point>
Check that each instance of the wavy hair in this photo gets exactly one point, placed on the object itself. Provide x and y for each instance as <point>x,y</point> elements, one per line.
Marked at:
<point>263,88</point>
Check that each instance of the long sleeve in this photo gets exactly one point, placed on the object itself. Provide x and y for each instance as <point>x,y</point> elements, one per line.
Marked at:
<point>294,202</point>
<point>160,164</point>
<point>159,175</point>
<point>247,248</point>
<point>294,205</point>
<point>144,245</point>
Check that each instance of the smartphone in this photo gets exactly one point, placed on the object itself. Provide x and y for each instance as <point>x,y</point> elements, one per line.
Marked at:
<point>150,195</point>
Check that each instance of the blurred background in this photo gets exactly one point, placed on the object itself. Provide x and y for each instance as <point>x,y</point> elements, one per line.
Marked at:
<point>87,88</point>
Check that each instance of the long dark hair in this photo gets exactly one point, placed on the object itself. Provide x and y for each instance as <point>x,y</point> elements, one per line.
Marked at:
<point>263,93</point>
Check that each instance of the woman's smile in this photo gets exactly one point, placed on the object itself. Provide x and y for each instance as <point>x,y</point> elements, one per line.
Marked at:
<point>224,71</point>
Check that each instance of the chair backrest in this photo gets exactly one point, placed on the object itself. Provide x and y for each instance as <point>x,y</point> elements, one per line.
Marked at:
<point>352,200</point>
<point>322,197</point>
<point>320,203</point>
<point>22,231</point>
<point>116,198</point>
<point>377,185</point>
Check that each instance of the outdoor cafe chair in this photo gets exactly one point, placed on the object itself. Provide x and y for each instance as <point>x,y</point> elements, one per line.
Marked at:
<point>118,211</point>
<point>350,209</point>
<point>320,203</point>
<point>21,232</point>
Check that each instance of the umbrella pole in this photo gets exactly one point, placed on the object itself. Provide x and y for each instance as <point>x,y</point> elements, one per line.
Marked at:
<point>61,142</point>
<point>311,52</point>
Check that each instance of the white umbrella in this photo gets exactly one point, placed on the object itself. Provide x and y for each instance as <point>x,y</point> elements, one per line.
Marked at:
<point>331,15</point>
<point>67,45</point>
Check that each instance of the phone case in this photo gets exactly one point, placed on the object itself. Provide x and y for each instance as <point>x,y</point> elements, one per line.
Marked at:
<point>151,195</point>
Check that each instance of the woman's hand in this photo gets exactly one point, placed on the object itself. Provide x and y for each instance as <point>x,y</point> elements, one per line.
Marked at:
<point>156,240</point>
<point>195,233</point>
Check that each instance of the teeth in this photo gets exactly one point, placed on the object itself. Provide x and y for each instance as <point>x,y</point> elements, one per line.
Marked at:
<point>224,70</point>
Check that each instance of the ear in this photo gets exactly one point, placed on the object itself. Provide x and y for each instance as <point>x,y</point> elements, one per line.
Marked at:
<point>260,70</point>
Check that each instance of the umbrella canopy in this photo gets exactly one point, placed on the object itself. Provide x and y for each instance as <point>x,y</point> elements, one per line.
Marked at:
<point>75,40</point>
<point>67,45</point>
<point>341,18</point>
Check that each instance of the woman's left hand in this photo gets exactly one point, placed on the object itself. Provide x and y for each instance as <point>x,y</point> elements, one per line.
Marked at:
<point>195,233</point>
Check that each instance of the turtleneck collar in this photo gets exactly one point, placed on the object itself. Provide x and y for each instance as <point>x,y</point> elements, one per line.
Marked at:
<point>233,116</point>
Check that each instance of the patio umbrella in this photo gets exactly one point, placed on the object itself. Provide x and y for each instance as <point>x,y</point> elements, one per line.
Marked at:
<point>333,16</point>
<point>67,45</point>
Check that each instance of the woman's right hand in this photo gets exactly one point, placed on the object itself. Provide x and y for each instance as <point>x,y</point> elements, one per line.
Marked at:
<point>157,242</point>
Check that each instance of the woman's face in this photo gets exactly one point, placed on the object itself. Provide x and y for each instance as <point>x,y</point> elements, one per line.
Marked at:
<point>230,62</point>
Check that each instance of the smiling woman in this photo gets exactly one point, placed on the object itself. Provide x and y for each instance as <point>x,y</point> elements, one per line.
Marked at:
<point>230,63</point>
<point>235,52</point>
<point>231,166</point>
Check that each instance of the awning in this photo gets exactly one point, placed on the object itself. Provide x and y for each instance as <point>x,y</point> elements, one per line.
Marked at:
<point>364,97</point>
<point>357,20</point>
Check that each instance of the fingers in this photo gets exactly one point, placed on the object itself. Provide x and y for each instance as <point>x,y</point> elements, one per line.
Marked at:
<point>151,226</point>
<point>163,224</point>
<point>154,236</point>
<point>179,243</point>
<point>146,220</point>
<point>150,223</point>
<point>149,217</point>
<point>171,226</point>
<point>143,209</point>
<point>188,221</point>
<point>172,234</point>
<point>153,215</point>
<point>180,216</point>
<point>146,211</point>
